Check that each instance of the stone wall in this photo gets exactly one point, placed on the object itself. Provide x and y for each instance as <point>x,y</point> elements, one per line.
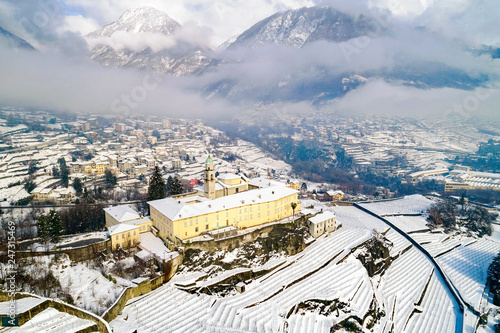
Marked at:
<point>129,293</point>
<point>230,242</point>
<point>170,267</point>
<point>83,253</point>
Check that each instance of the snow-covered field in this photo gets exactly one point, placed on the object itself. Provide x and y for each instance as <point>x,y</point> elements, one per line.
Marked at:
<point>409,224</point>
<point>411,204</point>
<point>467,266</point>
<point>326,270</point>
<point>464,259</point>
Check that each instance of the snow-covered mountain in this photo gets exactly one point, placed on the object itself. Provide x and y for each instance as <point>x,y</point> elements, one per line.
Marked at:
<point>10,40</point>
<point>140,19</point>
<point>123,43</point>
<point>252,66</point>
<point>310,32</point>
<point>304,26</point>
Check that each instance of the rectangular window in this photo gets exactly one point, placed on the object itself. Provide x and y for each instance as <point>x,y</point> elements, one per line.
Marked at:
<point>227,214</point>
<point>196,221</point>
<point>267,213</point>
<point>116,237</point>
<point>123,236</point>
<point>258,215</point>
<point>191,222</point>
<point>196,229</point>
<point>251,216</point>
<point>206,219</point>
<point>185,224</point>
<point>206,227</point>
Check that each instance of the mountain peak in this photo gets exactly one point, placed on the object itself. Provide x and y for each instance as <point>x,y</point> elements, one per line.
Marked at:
<point>299,27</point>
<point>139,19</point>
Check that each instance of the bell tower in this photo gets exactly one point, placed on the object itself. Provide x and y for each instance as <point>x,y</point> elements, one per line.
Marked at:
<point>209,184</point>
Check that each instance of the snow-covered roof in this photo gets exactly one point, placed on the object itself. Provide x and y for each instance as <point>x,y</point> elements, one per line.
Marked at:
<point>228,176</point>
<point>332,192</point>
<point>122,213</point>
<point>178,209</point>
<point>119,228</point>
<point>155,245</point>
<point>263,182</point>
<point>321,217</point>
<point>145,219</point>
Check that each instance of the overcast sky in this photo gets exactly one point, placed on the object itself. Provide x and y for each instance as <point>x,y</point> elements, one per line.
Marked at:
<point>62,77</point>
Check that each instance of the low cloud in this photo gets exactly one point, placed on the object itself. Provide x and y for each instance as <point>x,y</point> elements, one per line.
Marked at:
<point>381,98</point>
<point>136,41</point>
<point>54,82</point>
<point>190,33</point>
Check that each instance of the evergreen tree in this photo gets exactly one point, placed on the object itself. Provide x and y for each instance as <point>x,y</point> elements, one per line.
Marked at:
<point>174,186</point>
<point>55,226</point>
<point>156,189</point>
<point>78,185</point>
<point>29,186</point>
<point>170,182</point>
<point>32,167</point>
<point>42,226</point>
<point>64,172</point>
<point>494,279</point>
<point>50,226</point>
<point>110,179</point>
<point>55,172</point>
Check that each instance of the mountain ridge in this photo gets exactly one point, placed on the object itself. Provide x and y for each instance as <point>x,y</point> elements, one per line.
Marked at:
<point>15,41</point>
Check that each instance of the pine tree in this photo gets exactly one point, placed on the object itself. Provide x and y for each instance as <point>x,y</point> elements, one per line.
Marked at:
<point>156,189</point>
<point>50,226</point>
<point>55,226</point>
<point>174,186</point>
<point>42,226</point>
<point>64,172</point>
<point>170,182</point>
<point>177,187</point>
<point>110,179</point>
<point>29,186</point>
<point>77,185</point>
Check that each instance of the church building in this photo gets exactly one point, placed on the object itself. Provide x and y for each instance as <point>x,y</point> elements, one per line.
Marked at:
<point>222,185</point>
<point>224,202</point>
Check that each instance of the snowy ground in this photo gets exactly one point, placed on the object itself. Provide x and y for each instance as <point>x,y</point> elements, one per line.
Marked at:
<point>89,289</point>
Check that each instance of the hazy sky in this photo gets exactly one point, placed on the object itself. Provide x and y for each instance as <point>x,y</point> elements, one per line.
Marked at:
<point>62,77</point>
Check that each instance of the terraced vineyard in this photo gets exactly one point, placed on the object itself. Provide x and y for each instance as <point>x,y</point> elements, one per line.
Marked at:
<point>327,274</point>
